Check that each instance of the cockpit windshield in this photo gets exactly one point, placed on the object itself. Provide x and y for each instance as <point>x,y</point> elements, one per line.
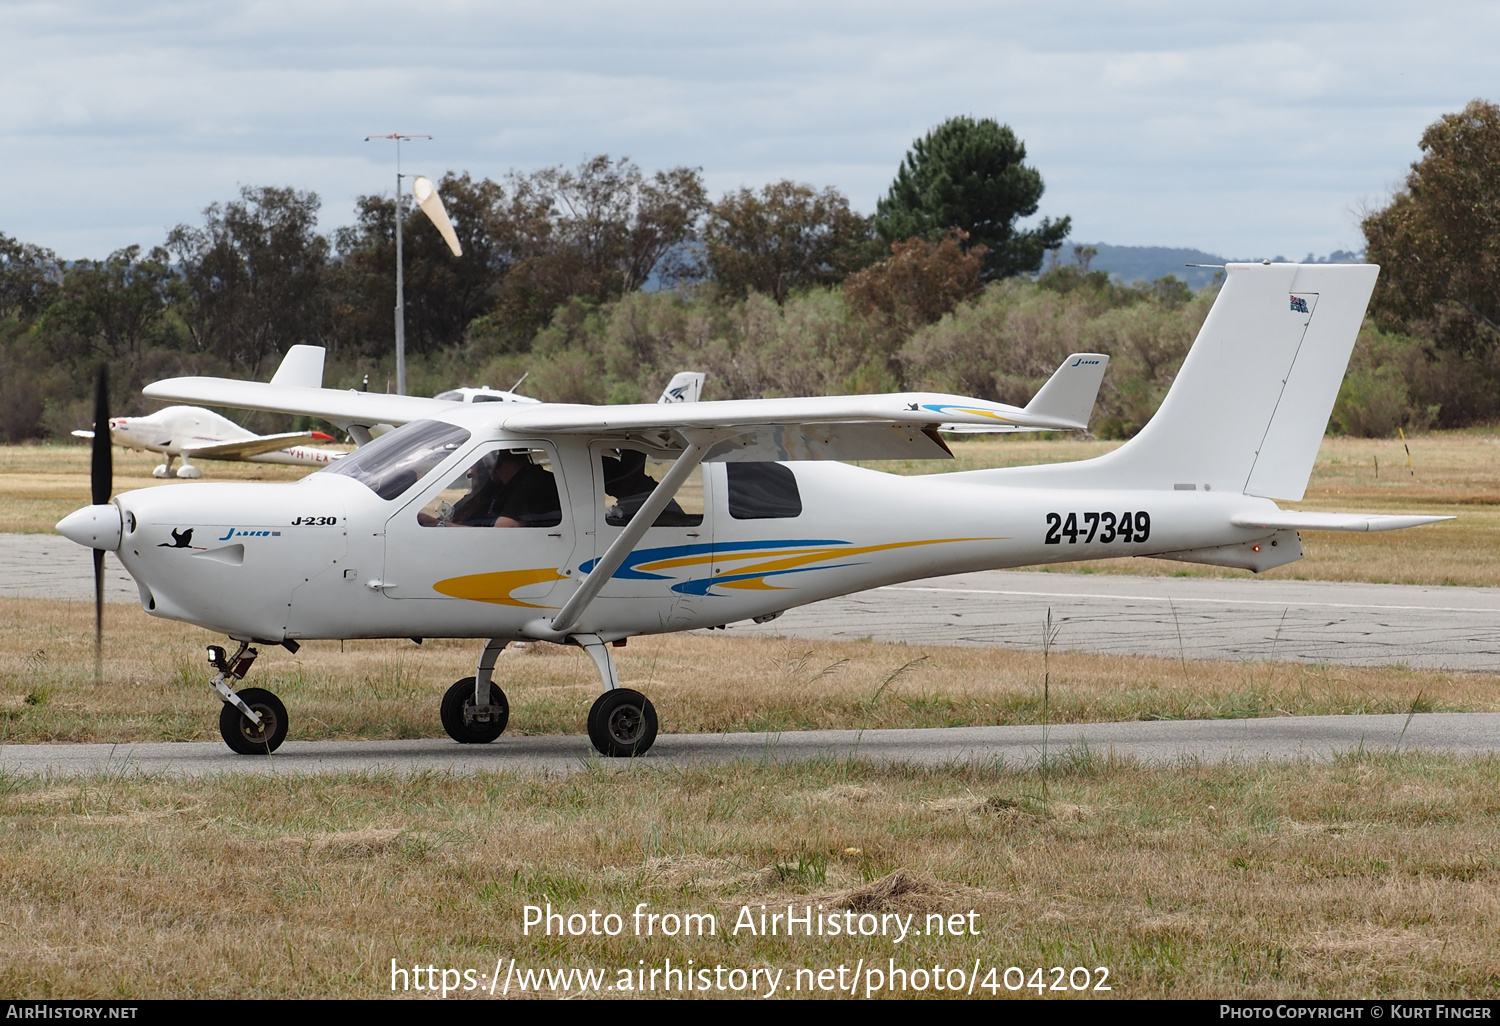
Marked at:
<point>395,461</point>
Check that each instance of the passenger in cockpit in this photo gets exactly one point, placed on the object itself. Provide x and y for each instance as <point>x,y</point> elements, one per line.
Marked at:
<point>506,489</point>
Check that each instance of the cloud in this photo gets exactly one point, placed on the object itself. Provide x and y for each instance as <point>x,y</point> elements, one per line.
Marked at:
<point>1233,130</point>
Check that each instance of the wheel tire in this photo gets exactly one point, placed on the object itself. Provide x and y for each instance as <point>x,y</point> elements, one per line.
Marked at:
<point>622,723</point>
<point>461,695</point>
<point>245,737</point>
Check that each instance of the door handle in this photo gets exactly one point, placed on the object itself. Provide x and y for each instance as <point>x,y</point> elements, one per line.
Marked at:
<point>377,584</point>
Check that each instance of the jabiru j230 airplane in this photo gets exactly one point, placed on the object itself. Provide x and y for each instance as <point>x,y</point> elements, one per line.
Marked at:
<point>561,533</point>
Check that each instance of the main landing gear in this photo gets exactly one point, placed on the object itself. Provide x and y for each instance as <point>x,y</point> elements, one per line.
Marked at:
<point>253,721</point>
<point>621,722</point>
<point>474,711</point>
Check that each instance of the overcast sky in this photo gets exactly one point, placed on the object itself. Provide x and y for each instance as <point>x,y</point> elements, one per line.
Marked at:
<point>1243,129</point>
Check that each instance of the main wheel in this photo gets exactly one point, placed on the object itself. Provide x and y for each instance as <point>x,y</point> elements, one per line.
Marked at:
<point>247,738</point>
<point>622,723</point>
<point>469,723</point>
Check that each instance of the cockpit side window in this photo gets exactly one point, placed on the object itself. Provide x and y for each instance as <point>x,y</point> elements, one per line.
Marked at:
<point>762,491</point>
<point>629,480</point>
<point>504,487</point>
<point>395,461</point>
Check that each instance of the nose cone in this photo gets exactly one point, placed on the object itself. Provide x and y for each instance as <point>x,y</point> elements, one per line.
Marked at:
<point>96,527</point>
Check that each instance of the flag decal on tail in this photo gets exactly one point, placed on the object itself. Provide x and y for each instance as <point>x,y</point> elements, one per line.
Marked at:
<point>1299,305</point>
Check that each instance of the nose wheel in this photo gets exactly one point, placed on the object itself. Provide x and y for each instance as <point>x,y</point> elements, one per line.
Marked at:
<point>244,735</point>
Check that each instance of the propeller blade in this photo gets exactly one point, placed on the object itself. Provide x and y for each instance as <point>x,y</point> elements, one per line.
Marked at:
<point>98,616</point>
<point>101,484</point>
<point>101,470</point>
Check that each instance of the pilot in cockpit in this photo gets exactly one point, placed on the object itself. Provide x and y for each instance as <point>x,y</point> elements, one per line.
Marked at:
<point>506,489</point>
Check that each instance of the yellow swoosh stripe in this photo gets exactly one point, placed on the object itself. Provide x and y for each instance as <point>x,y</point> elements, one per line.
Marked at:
<point>497,587</point>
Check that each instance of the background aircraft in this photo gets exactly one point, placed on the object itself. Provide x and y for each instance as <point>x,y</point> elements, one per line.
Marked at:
<point>588,549</point>
<point>190,432</point>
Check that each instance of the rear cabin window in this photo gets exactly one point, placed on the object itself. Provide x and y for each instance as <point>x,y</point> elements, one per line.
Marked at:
<point>629,479</point>
<point>395,461</point>
<point>762,491</point>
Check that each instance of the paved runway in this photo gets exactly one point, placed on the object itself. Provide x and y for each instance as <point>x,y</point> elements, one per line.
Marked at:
<point>1201,618</point>
<point>1313,738</point>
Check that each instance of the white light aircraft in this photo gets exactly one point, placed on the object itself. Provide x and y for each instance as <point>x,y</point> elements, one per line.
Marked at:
<point>189,432</point>
<point>751,515</point>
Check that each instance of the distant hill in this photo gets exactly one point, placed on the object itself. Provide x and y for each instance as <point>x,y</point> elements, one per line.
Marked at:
<point>1147,263</point>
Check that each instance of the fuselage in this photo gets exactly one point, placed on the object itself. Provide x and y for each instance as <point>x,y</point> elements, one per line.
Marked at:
<point>328,557</point>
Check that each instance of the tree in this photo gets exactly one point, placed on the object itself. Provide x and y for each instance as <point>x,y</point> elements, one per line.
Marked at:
<point>920,283</point>
<point>786,237</point>
<point>443,293</point>
<point>115,308</point>
<point>968,175</point>
<point>1438,242</point>
<point>253,275</point>
<point>595,232</point>
<point>29,278</point>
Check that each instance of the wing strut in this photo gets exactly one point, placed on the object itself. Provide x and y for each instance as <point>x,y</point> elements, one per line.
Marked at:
<point>568,616</point>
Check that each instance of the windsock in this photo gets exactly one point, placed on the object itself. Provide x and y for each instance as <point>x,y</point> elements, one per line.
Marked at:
<point>432,205</point>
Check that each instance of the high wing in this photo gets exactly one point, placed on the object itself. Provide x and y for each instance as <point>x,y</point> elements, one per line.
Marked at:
<point>247,447</point>
<point>339,406</point>
<point>296,388</point>
<point>853,427</point>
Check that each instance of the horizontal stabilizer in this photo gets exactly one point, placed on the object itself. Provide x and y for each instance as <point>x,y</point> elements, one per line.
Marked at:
<point>83,434</point>
<point>1293,520</point>
<point>247,447</point>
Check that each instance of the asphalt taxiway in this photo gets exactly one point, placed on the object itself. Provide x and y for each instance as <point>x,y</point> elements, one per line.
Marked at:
<point>1156,743</point>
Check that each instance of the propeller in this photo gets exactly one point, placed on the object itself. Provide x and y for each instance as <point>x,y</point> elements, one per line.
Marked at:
<point>101,483</point>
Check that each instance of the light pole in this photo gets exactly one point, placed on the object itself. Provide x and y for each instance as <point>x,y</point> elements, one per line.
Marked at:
<point>400,278</point>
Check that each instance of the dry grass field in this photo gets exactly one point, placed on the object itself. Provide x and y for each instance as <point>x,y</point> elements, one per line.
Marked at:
<point>1374,876</point>
<point>155,687</point>
<point>1455,473</point>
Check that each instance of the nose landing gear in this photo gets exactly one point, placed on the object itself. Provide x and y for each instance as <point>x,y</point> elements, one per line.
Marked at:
<point>253,721</point>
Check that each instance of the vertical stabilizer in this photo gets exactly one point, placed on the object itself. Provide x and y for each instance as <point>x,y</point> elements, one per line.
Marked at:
<point>1336,296</point>
<point>685,387</point>
<point>302,366</point>
<point>1247,410</point>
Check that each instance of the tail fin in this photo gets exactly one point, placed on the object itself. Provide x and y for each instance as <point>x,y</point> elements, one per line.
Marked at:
<point>1252,400</point>
<point>685,387</point>
<point>302,366</point>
